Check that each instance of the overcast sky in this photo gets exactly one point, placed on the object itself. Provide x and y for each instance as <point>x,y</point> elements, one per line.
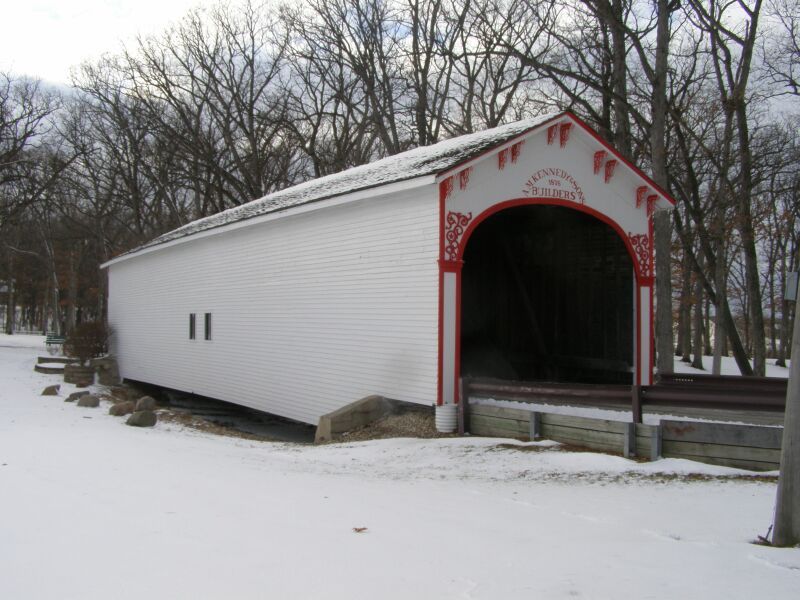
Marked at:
<point>44,38</point>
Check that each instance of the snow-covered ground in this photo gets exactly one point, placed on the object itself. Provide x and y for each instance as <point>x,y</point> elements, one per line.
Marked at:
<point>90,508</point>
<point>729,367</point>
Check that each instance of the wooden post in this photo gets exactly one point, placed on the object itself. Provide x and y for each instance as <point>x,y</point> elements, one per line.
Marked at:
<point>786,530</point>
<point>636,403</point>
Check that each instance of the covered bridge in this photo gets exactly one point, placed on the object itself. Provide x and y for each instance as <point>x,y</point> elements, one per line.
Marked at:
<point>523,252</point>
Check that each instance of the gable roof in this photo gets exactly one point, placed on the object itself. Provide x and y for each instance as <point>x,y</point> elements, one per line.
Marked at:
<point>425,160</point>
<point>434,160</point>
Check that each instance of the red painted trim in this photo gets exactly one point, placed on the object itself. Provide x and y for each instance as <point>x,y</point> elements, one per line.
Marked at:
<point>599,159</point>
<point>440,365</point>
<point>638,342</point>
<point>457,264</point>
<point>501,159</point>
<point>552,202</point>
<point>548,124</point>
<point>663,193</point>
<point>451,266</point>
<point>516,150</point>
<point>609,170</point>
<point>463,178</point>
<point>651,206</point>
<point>651,231</point>
<point>447,187</point>
<point>454,224</point>
<point>563,133</point>
<point>652,340</point>
<point>505,145</point>
<point>551,134</point>
<point>644,372</point>
<point>641,193</point>
<point>457,348</point>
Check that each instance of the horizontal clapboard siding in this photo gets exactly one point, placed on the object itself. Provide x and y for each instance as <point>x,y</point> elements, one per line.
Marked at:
<point>310,312</point>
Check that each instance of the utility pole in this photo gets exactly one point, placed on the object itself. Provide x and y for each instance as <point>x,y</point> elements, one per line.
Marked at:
<point>786,531</point>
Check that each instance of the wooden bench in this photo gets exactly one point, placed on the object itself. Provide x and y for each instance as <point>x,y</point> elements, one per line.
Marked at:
<point>53,341</point>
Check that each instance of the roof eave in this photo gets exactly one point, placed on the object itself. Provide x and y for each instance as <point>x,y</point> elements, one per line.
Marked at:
<point>442,175</point>
<point>379,190</point>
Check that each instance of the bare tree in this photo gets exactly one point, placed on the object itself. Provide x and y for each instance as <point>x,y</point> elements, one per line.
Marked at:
<point>781,53</point>
<point>25,109</point>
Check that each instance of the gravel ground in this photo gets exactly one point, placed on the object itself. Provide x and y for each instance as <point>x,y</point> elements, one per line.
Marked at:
<point>413,423</point>
<point>409,422</point>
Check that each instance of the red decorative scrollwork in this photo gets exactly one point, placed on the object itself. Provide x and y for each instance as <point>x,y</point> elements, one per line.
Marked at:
<point>502,159</point>
<point>599,158</point>
<point>516,149</point>
<point>551,134</point>
<point>564,133</point>
<point>610,166</point>
<point>643,249</point>
<point>463,178</point>
<point>455,224</point>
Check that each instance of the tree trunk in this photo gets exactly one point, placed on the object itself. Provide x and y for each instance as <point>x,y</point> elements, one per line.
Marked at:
<point>685,313</point>
<point>72,293</point>
<point>662,221</point>
<point>787,510</point>
<point>707,329</point>
<point>697,361</point>
<point>11,313</point>
<point>745,217</point>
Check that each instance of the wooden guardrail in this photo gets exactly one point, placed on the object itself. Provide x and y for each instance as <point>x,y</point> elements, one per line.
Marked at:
<point>682,391</point>
<point>751,447</point>
<point>744,446</point>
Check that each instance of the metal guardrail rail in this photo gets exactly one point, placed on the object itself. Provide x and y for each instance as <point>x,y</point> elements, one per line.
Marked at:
<point>679,390</point>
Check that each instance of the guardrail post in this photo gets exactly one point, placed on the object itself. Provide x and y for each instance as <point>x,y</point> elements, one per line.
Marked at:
<point>636,403</point>
<point>536,426</point>
<point>655,443</point>
<point>463,406</point>
<point>629,446</point>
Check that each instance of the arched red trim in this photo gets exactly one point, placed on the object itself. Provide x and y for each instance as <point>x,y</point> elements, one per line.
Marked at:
<point>640,282</point>
<point>552,202</point>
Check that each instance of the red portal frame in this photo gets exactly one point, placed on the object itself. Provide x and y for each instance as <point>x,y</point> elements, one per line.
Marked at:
<point>455,231</point>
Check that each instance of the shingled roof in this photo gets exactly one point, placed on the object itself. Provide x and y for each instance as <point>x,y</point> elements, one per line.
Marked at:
<point>419,162</point>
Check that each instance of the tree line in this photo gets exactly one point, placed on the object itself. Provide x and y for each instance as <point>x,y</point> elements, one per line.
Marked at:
<point>240,100</point>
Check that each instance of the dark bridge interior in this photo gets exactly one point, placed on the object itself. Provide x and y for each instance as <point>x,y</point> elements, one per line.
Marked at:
<point>547,295</point>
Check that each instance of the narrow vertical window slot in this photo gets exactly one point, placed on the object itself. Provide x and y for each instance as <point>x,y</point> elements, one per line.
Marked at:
<point>192,325</point>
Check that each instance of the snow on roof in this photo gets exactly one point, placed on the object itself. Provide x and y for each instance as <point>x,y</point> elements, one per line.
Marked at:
<point>426,160</point>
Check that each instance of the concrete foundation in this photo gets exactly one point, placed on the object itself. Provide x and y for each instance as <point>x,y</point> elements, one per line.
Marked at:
<point>357,414</point>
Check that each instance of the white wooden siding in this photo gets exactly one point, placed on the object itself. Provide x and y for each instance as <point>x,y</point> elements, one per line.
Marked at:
<point>310,312</point>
